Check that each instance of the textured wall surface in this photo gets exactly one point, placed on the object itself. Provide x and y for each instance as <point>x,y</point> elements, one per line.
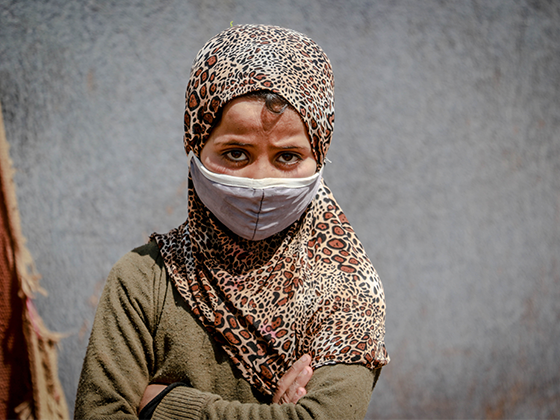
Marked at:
<point>446,159</point>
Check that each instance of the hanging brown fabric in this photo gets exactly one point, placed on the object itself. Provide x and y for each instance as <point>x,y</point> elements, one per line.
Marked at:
<point>29,384</point>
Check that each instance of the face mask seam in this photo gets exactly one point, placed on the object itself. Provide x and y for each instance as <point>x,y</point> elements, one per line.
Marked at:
<point>258,215</point>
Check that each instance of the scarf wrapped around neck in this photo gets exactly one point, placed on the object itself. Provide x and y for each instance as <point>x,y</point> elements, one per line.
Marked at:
<point>310,289</point>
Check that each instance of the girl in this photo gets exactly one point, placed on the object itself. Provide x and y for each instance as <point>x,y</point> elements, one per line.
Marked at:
<point>263,304</point>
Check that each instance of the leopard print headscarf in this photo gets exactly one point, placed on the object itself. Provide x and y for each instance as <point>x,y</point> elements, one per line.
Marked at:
<point>310,289</point>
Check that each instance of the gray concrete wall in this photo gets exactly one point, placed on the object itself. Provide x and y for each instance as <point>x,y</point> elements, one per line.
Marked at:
<point>446,158</point>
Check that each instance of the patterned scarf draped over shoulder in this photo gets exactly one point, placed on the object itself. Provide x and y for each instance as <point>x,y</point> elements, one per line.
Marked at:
<point>310,289</point>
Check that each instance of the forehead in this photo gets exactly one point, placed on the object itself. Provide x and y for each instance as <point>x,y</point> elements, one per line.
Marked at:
<point>250,116</point>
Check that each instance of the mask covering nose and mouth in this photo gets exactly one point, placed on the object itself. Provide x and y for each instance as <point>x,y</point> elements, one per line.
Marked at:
<point>254,209</point>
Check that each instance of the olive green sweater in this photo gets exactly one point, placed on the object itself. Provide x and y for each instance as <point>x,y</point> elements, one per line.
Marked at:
<point>144,333</point>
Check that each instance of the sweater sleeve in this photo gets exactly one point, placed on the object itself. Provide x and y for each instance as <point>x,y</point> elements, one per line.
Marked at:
<point>334,392</point>
<point>120,354</point>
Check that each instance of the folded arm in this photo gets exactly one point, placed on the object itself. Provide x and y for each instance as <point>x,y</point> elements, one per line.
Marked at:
<point>121,361</point>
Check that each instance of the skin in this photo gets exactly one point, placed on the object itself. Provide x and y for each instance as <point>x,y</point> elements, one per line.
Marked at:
<point>252,142</point>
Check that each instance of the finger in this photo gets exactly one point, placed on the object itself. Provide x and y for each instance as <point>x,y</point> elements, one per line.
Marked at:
<point>297,389</point>
<point>290,377</point>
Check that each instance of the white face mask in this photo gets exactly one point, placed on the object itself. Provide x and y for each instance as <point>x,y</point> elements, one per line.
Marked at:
<point>253,208</point>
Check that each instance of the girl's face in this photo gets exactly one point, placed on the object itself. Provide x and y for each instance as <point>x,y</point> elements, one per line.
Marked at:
<point>252,142</point>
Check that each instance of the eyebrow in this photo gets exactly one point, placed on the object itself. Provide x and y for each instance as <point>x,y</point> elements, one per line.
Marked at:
<point>251,145</point>
<point>233,143</point>
<point>289,147</point>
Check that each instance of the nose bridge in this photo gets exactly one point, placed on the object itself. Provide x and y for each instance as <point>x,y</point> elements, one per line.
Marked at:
<point>262,167</point>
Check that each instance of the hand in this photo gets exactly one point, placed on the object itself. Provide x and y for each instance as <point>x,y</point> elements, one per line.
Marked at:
<point>291,386</point>
<point>150,393</point>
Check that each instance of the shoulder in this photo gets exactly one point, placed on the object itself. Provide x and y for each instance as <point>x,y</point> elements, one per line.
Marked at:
<point>140,274</point>
<point>144,261</point>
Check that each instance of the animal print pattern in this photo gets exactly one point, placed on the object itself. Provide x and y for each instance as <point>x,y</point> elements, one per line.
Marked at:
<point>309,289</point>
<point>246,58</point>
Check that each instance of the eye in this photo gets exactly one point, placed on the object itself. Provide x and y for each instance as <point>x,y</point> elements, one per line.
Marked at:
<point>235,155</point>
<point>288,158</point>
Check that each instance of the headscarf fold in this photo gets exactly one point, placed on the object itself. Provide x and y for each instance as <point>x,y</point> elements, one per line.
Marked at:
<point>310,289</point>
